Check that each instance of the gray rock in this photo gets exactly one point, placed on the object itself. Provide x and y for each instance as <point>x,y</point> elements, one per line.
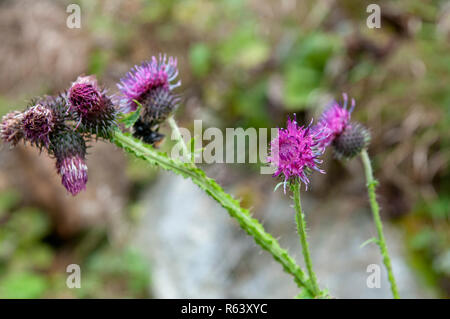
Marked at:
<point>197,251</point>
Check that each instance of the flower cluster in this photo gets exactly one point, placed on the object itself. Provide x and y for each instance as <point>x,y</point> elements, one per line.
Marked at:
<point>296,151</point>
<point>62,125</point>
<point>347,139</point>
<point>150,85</point>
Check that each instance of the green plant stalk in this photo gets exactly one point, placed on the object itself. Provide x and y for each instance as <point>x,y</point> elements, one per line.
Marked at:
<point>178,137</point>
<point>371,185</point>
<point>301,229</point>
<point>249,224</point>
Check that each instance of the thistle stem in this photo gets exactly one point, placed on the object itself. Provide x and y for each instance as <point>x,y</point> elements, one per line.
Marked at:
<point>241,215</point>
<point>178,137</point>
<point>371,185</point>
<point>301,228</point>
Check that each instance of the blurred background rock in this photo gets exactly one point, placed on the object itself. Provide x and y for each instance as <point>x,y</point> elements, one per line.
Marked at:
<point>139,232</point>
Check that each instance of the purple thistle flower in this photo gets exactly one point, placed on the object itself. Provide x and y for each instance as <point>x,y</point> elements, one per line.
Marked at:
<point>143,79</point>
<point>94,110</point>
<point>296,150</point>
<point>73,171</point>
<point>69,149</point>
<point>11,128</point>
<point>38,122</point>
<point>335,119</point>
<point>84,96</point>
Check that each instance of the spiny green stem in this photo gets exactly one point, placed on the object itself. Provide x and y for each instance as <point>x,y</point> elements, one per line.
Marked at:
<point>371,185</point>
<point>301,228</point>
<point>249,224</point>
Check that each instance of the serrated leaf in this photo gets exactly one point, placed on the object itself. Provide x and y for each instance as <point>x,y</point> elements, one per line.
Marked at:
<point>130,118</point>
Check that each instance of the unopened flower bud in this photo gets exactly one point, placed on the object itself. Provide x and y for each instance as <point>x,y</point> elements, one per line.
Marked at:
<point>69,148</point>
<point>38,122</point>
<point>73,171</point>
<point>11,128</point>
<point>95,110</point>
<point>352,141</point>
<point>84,96</point>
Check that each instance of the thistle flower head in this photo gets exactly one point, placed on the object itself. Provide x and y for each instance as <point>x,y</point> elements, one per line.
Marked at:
<point>38,122</point>
<point>58,105</point>
<point>296,150</point>
<point>73,171</point>
<point>352,141</point>
<point>159,104</point>
<point>84,96</point>
<point>11,128</point>
<point>140,81</point>
<point>335,119</point>
<point>69,149</point>
<point>94,110</point>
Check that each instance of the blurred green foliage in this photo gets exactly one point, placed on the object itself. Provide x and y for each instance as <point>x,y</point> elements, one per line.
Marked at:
<point>29,262</point>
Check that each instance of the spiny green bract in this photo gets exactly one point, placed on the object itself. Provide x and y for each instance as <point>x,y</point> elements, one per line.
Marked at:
<point>352,141</point>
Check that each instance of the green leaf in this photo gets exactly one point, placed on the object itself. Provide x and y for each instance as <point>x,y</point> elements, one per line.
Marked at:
<point>200,59</point>
<point>25,285</point>
<point>8,199</point>
<point>299,81</point>
<point>130,118</point>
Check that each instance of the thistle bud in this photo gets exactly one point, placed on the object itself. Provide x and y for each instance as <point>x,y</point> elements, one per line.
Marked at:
<point>11,128</point>
<point>69,148</point>
<point>38,122</point>
<point>84,96</point>
<point>352,141</point>
<point>73,171</point>
<point>94,109</point>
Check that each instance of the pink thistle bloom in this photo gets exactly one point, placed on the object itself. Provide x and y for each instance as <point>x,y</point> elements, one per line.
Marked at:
<point>73,171</point>
<point>296,150</point>
<point>69,149</point>
<point>335,119</point>
<point>11,128</point>
<point>94,109</point>
<point>85,97</point>
<point>38,122</point>
<point>140,81</point>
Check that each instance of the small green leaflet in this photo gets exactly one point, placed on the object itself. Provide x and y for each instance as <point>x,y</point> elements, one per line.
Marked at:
<point>304,294</point>
<point>130,118</point>
<point>368,241</point>
<point>278,185</point>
